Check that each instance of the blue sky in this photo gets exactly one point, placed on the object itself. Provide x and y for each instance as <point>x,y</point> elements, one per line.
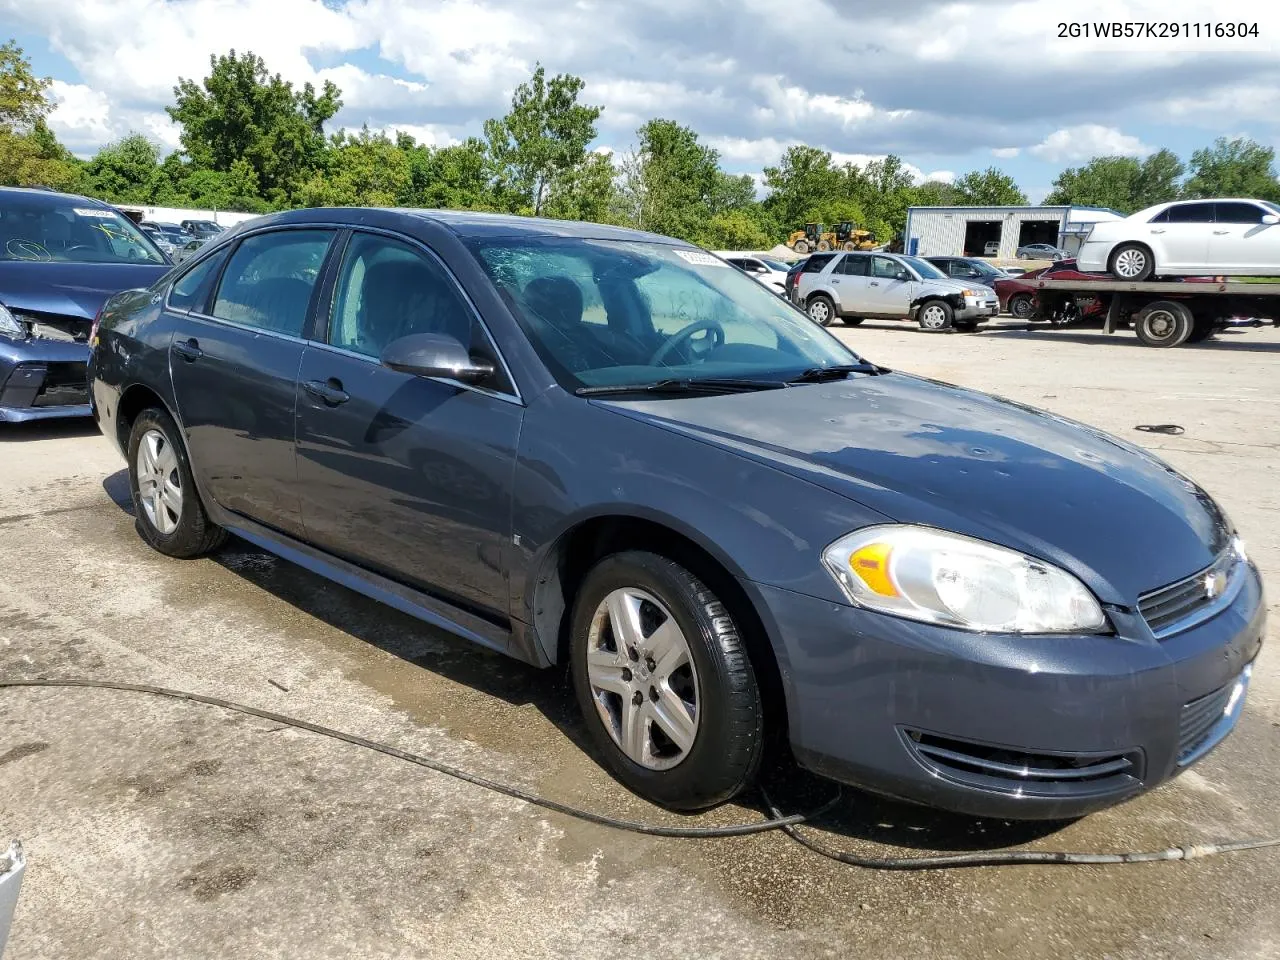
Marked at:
<point>949,87</point>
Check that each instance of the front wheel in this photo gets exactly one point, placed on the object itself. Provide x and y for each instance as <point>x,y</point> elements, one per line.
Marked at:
<point>665,684</point>
<point>166,505</point>
<point>821,310</point>
<point>935,315</point>
<point>802,246</point>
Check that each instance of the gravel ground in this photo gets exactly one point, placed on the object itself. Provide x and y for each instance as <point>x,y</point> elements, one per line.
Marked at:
<point>163,829</point>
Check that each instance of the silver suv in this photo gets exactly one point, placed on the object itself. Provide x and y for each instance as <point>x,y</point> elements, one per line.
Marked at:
<point>853,286</point>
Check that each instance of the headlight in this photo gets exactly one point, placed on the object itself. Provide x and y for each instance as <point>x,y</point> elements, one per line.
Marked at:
<point>969,293</point>
<point>945,578</point>
<point>9,325</point>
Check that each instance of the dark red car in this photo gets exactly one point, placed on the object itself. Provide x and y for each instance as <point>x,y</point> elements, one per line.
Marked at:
<point>1018,294</point>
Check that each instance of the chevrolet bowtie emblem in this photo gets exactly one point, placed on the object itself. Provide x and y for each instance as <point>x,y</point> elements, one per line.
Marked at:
<point>1214,583</point>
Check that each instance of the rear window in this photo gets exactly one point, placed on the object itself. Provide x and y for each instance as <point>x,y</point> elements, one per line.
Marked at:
<point>817,262</point>
<point>853,266</point>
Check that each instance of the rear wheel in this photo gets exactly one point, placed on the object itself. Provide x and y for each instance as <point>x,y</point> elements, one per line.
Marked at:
<point>1164,323</point>
<point>820,309</point>
<point>1022,306</point>
<point>823,246</point>
<point>167,509</point>
<point>1131,261</point>
<point>850,245</point>
<point>665,683</point>
<point>935,315</point>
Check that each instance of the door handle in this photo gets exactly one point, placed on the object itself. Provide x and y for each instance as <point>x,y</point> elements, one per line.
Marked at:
<point>188,350</point>
<point>835,281</point>
<point>328,391</point>
<point>874,283</point>
<point>1218,233</point>
<point>1157,231</point>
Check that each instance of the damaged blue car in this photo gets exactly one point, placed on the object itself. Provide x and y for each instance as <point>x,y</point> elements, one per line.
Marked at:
<point>61,257</point>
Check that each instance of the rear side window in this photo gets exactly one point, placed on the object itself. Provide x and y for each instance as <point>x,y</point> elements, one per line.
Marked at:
<point>1190,213</point>
<point>270,278</point>
<point>817,262</point>
<point>853,266</point>
<point>191,290</point>
<point>1237,213</point>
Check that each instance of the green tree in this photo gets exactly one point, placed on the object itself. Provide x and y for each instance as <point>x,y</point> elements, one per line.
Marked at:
<point>541,141</point>
<point>124,171</point>
<point>989,188</point>
<point>734,230</point>
<point>801,184</point>
<point>1233,168</point>
<point>584,193</point>
<point>1158,180</point>
<point>935,193</point>
<point>360,170</point>
<point>1121,183</point>
<point>181,183</point>
<point>30,154</point>
<point>454,177</point>
<point>885,189</point>
<point>240,112</point>
<point>732,193</point>
<point>670,180</point>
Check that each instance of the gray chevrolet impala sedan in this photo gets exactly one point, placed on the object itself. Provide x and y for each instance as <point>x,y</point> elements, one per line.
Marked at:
<point>611,452</point>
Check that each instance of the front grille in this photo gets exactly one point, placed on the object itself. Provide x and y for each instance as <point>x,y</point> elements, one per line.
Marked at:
<point>64,384</point>
<point>1185,603</point>
<point>1206,721</point>
<point>999,768</point>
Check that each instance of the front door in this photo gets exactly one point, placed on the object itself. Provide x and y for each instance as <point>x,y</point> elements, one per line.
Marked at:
<point>234,372</point>
<point>403,475</point>
<point>1241,243</point>
<point>887,295</point>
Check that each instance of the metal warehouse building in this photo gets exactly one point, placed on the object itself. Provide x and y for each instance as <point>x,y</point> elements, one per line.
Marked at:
<point>997,231</point>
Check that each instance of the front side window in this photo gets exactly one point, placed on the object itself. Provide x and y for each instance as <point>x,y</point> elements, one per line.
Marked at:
<point>885,268</point>
<point>605,312</point>
<point>51,227</point>
<point>190,292</point>
<point>270,278</point>
<point>388,289</point>
<point>1237,213</point>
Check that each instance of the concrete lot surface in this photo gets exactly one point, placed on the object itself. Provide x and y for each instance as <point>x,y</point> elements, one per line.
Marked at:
<point>163,829</point>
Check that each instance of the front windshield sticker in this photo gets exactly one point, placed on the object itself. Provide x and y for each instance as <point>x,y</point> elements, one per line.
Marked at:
<point>700,258</point>
<point>93,212</point>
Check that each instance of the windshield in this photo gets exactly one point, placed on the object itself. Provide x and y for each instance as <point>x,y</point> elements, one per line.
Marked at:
<point>926,269</point>
<point>606,312</point>
<point>1274,208</point>
<point>984,268</point>
<point>44,227</point>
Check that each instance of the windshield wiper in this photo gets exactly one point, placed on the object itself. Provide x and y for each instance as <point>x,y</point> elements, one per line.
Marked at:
<point>685,385</point>
<point>838,372</point>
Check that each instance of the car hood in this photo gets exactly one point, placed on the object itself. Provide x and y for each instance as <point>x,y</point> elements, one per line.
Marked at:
<point>70,289</point>
<point>924,452</point>
<point>948,286</point>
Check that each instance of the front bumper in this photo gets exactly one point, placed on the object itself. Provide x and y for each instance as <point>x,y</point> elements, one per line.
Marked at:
<point>1002,726</point>
<point>978,310</point>
<point>42,379</point>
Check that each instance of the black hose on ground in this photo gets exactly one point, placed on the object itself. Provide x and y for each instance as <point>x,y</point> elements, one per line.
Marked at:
<point>776,821</point>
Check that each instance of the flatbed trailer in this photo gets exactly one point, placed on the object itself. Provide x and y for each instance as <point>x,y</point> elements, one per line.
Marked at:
<point>1164,313</point>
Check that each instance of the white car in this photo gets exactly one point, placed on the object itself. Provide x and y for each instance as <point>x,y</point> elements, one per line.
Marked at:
<point>772,273</point>
<point>1187,238</point>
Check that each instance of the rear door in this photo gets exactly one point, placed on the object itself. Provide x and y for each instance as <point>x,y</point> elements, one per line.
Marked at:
<point>1241,243</point>
<point>1180,235</point>
<point>403,475</point>
<point>235,369</point>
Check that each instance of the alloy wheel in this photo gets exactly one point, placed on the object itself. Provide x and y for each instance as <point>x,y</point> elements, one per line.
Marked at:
<point>159,482</point>
<point>643,679</point>
<point>1130,263</point>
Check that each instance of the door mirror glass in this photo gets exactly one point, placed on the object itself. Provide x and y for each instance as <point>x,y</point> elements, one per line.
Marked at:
<point>902,275</point>
<point>434,355</point>
<point>1270,218</point>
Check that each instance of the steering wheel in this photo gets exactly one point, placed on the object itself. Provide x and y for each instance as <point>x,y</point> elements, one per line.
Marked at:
<point>78,246</point>
<point>684,333</point>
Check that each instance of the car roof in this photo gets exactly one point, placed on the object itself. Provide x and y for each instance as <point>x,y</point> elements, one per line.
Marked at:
<point>55,194</point>
<point>474,224</point>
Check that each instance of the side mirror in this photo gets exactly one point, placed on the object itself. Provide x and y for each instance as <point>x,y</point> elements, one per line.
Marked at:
<point>1270,218</point>
<point>973,273</point>
<point>434,355</point>
<point>903,275</point>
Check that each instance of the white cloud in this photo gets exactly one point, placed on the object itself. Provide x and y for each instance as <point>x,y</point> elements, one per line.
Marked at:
<point>424,133</point>
<point>1088,140</point>
<point>1005,153</point>
<point>81,114</point>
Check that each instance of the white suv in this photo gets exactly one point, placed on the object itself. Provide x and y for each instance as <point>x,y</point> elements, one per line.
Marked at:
<point>854,286</point>
<point>1188,238</point>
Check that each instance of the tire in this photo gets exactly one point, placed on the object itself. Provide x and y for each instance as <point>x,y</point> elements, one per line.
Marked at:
<point>823,246</point>
<point>802,246</point>
<point>820,309</point>
<point>935,315</point>
<point>850,245</point>
<point>852,321</point>
<point>175,524</point>
<point>1131,261</point>
<point>1022,306</point>
<point>1164,323</point>
<point>725,727</point>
